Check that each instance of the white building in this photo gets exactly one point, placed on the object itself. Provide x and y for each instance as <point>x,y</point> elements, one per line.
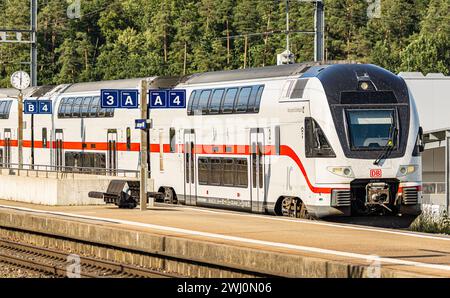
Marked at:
<point>432,95</point>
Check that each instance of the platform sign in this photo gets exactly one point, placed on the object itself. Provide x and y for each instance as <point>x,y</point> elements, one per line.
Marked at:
<point>177,99</point>
<point>158,99</point>
<point>30,107</point>
<point>129,99</point>
<point>110,99</point>
<point>141,124</point>
<point>45,107</point>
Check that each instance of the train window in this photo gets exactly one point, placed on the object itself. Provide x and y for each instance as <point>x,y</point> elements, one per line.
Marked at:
<point>216,100</point>
<point>85,161</point>
<point>2,107</point>
<point>316,143</point>
<point>68,107</point>
<point>76,107</point>
<point>172,139</point>
<point>191,102</point>
<point>252,99</point>
<point>228,102</point>
<point>195,101</point>
<point>109,113</point>
<point>203,102</point>
<point>258,99</point>
<point>228,172</point>
<point>62,107</point>
<point>216,171</point>
<point>5,107</point>
<point>44,137</point>
<point>101,112</point>
<point>94,107</point>
<point>241,179</point>
<point>242,101</point>
<point>85,107</point>
<point>203,170</point>
<point>128,139</point>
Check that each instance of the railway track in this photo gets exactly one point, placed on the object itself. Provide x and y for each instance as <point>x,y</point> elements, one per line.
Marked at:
<point>55,263</point>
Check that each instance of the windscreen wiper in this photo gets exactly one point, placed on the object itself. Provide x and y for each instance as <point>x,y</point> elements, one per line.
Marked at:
<point>389,146</point>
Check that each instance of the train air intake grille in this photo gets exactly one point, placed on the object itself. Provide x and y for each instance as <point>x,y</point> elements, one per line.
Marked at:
<point>340,198</point>
<point>410,196</point>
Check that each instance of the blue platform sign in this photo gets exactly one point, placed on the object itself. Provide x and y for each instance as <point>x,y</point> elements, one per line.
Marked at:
<point>177,99</point>
<point>30,107</point>
<point>45,107</point>
<point>129,99</point>
<point>141,124</point>
<point>110,99</point>
<point>158,99</point>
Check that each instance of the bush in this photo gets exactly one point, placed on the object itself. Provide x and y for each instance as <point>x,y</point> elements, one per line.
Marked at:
<point>431,223</point>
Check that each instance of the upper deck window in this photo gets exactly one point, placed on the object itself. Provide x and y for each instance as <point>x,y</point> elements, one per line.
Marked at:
<point>83,107</point>
<point>242,101</point>
<point>216,101</point>
<point>5,107</point>
<point>228,102</point>
<point>203,102</point>
<point>246,99</point>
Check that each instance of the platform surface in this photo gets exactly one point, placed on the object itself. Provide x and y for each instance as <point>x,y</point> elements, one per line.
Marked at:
<point>396,249</point>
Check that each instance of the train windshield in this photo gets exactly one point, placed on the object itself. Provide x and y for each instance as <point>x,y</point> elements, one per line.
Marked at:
<point>371,129</point>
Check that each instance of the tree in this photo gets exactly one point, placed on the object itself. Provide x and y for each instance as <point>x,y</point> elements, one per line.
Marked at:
<point>429,51</point>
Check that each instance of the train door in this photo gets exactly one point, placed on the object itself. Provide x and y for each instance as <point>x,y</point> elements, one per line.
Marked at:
<point>190,189</point>
<point>59,149</point>
<point>112,151</point>
<point>257,169</point>
<point>7,147</point>
<point>1,154</point>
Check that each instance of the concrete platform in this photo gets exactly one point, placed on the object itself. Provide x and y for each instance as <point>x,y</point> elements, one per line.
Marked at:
<point>52,188</point>
<point>289,246</point>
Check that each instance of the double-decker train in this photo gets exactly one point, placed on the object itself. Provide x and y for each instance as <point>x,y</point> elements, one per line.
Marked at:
<point>302,140</point>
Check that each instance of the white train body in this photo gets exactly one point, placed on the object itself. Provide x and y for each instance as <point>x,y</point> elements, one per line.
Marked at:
<point>322,140</point>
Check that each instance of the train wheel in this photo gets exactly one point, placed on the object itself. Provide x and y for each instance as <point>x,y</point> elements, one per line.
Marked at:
<point>169,196</point>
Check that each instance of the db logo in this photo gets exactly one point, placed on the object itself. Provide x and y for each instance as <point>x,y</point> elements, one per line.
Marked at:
<point>376,173</point>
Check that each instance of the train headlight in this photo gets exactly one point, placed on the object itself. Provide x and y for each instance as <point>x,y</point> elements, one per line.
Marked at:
<point>406,170</point>
<point>364,85</point>
<point>342,171</point>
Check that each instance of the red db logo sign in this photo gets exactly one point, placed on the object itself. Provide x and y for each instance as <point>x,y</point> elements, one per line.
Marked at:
<point>376,173</point>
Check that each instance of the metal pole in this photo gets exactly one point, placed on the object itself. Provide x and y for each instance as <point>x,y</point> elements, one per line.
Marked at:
<point>33,53</point>
<point>20,129</point>
<point>144,149</point>
<point>447,172</point>
<point>319,25</point>
<point>287,25</point>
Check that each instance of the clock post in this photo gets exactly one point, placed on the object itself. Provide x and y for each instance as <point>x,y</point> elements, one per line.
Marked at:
<point>20,80</point>
<point>20,131</point>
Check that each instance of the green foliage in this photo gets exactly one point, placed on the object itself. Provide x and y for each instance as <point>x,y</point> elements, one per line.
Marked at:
<point>431,223</point>
<point>116,39</point>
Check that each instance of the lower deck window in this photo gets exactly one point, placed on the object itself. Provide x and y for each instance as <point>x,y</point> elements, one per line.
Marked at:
<point>82,161</point>
<point>232,172</point>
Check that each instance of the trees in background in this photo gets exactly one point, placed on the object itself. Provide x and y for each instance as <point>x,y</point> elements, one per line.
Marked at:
<point>114,39</point>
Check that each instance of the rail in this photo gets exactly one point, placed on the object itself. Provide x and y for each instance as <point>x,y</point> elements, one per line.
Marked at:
<point>65,171</point>
<point>55,263</point>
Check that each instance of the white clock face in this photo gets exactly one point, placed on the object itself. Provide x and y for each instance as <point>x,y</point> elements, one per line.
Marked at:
<point>20,80</point>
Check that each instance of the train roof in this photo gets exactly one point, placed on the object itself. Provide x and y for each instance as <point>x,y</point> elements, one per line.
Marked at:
<point>257,73</point>
<point>95,86</point>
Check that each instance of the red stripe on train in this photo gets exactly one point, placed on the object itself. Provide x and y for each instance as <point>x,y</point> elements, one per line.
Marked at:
<point>199,149</point>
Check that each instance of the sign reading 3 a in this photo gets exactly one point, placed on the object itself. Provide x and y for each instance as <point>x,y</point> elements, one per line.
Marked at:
<point>125,99</point>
